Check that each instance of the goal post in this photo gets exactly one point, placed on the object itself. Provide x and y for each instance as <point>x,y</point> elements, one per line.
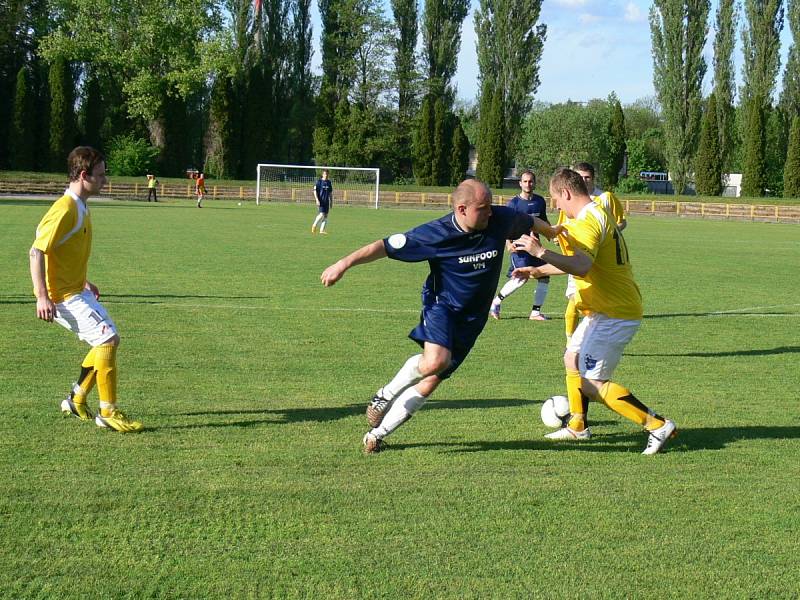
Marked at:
<point>295,183</point>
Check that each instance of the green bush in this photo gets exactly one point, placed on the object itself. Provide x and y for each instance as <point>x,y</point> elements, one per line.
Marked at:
<point>128,155</point>
<point>631,185</point>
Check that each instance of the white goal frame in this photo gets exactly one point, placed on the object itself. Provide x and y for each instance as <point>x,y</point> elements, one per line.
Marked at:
<point>317,168</point>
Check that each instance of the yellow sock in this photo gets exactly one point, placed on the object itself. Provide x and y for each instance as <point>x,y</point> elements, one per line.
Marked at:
<point>577,408</point>
<point>622,402</point>
<point>105,365</point>
<point>87,378</point>
<point>571,317</point>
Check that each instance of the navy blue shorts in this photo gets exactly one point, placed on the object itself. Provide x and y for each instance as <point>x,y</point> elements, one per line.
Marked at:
<point>323,207</point>
<point>440,325</point>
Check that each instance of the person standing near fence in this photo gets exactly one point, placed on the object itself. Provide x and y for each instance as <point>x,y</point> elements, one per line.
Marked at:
<point>59,261</point>
<point>152,184</point>
<point>323,196</point>
<point>200,188</point>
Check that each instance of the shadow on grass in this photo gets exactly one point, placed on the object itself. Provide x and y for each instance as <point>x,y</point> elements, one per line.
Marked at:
<point>753,352</point>
<point>334,413</point>
<point>688,440</point>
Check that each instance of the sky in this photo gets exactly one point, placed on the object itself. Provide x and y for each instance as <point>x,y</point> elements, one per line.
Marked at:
<point>593,48</point>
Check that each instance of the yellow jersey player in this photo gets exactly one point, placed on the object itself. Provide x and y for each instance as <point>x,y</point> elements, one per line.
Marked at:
<point>59,261</point>
<point>607,296</point>
<point>608,201</point>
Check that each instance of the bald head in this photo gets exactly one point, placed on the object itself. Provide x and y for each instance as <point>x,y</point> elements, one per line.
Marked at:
<point>472,205</point>
<point>470,191</point>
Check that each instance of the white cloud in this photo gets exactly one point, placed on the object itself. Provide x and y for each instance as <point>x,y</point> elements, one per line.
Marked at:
<point>586,18</point>
<point>633,13</point>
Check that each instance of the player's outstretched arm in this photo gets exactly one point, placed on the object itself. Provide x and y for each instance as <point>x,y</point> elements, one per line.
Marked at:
<point>365,254</point>
<point>544,228</point>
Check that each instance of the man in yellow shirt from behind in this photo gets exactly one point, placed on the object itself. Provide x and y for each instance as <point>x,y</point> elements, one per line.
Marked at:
<point>59,262</point>
<point>607,296</point>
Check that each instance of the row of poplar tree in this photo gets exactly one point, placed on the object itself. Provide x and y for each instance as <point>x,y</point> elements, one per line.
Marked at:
<point>704,138</point>
<point>225,84</point>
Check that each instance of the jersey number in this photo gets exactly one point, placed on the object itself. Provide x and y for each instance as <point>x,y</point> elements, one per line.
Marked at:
<point>622,248</point>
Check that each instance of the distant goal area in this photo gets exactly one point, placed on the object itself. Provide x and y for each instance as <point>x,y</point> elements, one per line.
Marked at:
<point>358,186</point>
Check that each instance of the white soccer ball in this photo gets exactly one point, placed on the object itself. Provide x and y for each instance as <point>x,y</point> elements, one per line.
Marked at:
<point>555,412</point>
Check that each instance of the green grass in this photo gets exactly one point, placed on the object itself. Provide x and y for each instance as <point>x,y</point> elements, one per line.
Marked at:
<point>252,379</point>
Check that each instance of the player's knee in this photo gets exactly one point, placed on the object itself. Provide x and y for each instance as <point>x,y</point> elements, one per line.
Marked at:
<point>432,365</point>
<point>114,341</point>
<point>571,360</point>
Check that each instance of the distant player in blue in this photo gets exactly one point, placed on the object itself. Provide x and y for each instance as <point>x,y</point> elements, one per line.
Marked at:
<point>532,204</point>
<point>464,250</point>
<point>323,196</point>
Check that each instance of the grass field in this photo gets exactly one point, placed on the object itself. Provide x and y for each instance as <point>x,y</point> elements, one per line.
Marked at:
<point>252,380</point>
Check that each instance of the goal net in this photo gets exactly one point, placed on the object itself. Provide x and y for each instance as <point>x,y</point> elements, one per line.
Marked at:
<point>295,183</point>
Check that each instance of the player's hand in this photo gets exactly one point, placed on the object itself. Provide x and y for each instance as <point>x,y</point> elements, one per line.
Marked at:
<point>524,273</point>
<point>45,309</point>
<point>332,274</point>
<point>529,244</point>
<point>92,288</point>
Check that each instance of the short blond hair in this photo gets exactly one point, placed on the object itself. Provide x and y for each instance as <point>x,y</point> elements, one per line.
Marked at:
<point>567,179</point>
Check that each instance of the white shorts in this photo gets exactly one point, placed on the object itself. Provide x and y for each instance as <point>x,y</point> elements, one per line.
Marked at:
<point>599,341</point>
<point>571,287</point>
<point>85,316</point>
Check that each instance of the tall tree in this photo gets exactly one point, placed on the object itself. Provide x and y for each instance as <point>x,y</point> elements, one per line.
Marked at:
<point>724,84</point>
<point>614,159</point>
<point>491,149</point>
<point>423,143</point>
<point>342,22</point>
<point>441,41</point>
<point>708,163</point>
<point>406,75</point>
<point>510,44</point>
<point>440,160</point>
<point>405,61</point>
<point>459,156</point>
<point>790,95</point>
<point>12,54</point>
<point>301,118</point>
<point>22,125</point>
<point>760,47</point>
<point>754,169</point>
<point>791,170</point>
<point>62,112</point>
<point>678,29</point>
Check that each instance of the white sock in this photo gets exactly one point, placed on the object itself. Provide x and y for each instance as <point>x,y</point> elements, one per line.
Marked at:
<point>322,225</point>
<point>401,411</point>
<point>318,219</point>
<point>511,286</point>
<point>408,375</point>
<point>541,292</point>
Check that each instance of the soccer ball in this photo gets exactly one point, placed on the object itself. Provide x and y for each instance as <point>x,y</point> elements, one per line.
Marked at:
<point>555,412</point>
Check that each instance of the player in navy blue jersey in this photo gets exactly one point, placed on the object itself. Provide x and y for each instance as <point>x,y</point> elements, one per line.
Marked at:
<point>464,250</point>
<point>323,196</point>
<point>532,204</point>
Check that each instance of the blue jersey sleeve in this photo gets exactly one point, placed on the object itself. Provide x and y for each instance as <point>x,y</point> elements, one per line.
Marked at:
<point>413,246</point>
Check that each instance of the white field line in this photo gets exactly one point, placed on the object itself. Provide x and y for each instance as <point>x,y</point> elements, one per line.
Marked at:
<point>739,312</point>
